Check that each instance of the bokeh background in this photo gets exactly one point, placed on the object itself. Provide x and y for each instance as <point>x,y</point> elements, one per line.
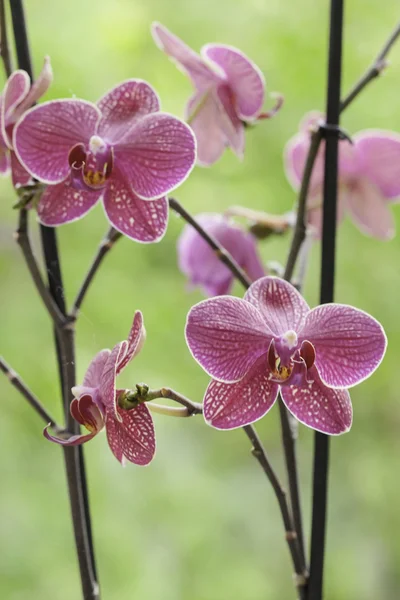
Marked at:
<point>201,523</point>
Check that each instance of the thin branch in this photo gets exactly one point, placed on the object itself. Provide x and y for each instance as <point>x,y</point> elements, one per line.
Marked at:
<point>374,71</point>
<point>17,382</point>
<point>22,239</point>
<point>4,46</point>
<point>105,246</point>
<point>220,252</point>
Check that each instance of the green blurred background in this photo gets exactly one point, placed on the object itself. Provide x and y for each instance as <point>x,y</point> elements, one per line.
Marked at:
<point>201,523</point>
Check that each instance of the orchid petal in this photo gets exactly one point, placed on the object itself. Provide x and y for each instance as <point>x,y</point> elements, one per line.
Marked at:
<point>95,369</point>
<point>281,305</point>
<point>157,155</point>
<point>349,344</point>
<point>137,435</point>
<point>369,210</point>
<point>45,134</point>
<point>144,221</point>
<point>136,339</point>
<point>314,209</point>
<point>229,122</point>
<point>122,106</point>
<point>319,407</point>
<point>5,163</point>
<point>108,376</point>
<point>62,203</point>
<point>20,176</point>
<point>243,76</point>
<point>16,89</point>
<point>37,89</point>
<point>203,112</point>
<point>231,405</point>
<point>73,440</point>
<point>226,335</point>
<point>113,431</point>
<point>184,57</point>
<point>295,156</point>
<point>378,153</point>
<point>91,416</point>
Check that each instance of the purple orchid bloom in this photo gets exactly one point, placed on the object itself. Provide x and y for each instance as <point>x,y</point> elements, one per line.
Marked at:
<point>18,96</point>
<point>230,91</point>
<point>121,150</point>
<point>369,177</point>
<point>130,433</point>
<point>200,263</point>
<point>271,341</point>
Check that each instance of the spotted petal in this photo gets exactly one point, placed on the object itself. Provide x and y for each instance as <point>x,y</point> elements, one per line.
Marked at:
<point>231,405</point>
<point>136,339</point>
<point>46,133</point>
<point>144,221</point>
<point>243,76</point>
<point>281,305</point>
<point>19,175</point>
<point>109,374</point>
<point>378,153</point>
<point>319,407</point>
<point>226,335</point>
<point>122,106</point>
<point>349,344</point>
<point>62,203</point>
<point>157,155</point>
<point>132,436</point>
<point>95,369</point>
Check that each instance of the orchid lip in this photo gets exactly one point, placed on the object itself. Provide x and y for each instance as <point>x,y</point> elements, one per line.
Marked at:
<point>91,170</point>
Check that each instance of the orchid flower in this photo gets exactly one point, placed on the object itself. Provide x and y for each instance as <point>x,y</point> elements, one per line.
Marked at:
<point>130,433</point>
<point>121,151</point>
<point>18,96</point>
<point>230,91</point>
<point>369,177</point>
<point>271,341</point>
<point>201,264</point>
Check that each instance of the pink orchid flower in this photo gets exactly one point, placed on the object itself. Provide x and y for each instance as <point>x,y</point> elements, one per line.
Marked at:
<point>230,90</point>
<point>369,177</point>
<point>17,97</point>
<point>200,263</point>
<point>271,341</point>
<point>121,150</point>
<point>130,433</point>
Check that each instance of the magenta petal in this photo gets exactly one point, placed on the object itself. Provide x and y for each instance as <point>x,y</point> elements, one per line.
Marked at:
<point>229,121</point>
<point>349,343</point>
<point>319,407</point>
<point>369,210</point>
<point>295,156</point>
<point>46,133</point>
<point>73,440</point>
<point>62,203</point>
<point>243,76</point>
<point>137,435</point>
<point>231,405</point>
<point>144,221</point>
<point>203,112</point>
<point>190,62</point>
<point>136,339</point>
<point>16,89</point>
<point>378,153</point>
<point>37,89</point>
<point>5,163</point>
<point>281,305</point>
<point>226,335</point>
<point>19,175</point>
<point>122,106</point>
<point>95,369</point>
<point>91,416</point>
<point>108,376</point>
<point>157,155</point>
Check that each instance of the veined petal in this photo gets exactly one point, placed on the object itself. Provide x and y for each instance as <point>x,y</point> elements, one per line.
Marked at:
<point>109,374</point>
<point>203,112</point>
<point>185,58</point>
<point>144,221</point>
<point>229,121</point>
<point>73,440</point>
<point>231,405</point>
<point>122,106</point>
<point>319,407</point>
<point>16,88</point>
<point>349,344</point>
<point>95,369</point>
<point>137,435</point>
<point>378,154</point>
<point>91,417</point>
<point>243,76</point>
<point>226,335</point>
<point>19,175</point>
<point>136,339</point>
<point>62,203</point>
<point>37,89</point>
<point>370,211</point>
<point>157,155</point>
<point>281,305</point>
<point>45,134</point>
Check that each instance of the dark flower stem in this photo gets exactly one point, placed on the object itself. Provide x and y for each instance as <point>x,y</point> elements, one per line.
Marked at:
<point>17,382</point>
<point>4,46</point>
<point>105,246</point>
<point>74,461</point>
<point>321,444</point>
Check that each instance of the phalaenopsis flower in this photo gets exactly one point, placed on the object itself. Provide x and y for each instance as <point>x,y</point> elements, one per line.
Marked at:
<point>130,433</point>
<point>230,91</point>
<point>201,264</point>
<point>271,341</point>
<point>369,177</point>
<point>121,150</point>
<point>17,97</point>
